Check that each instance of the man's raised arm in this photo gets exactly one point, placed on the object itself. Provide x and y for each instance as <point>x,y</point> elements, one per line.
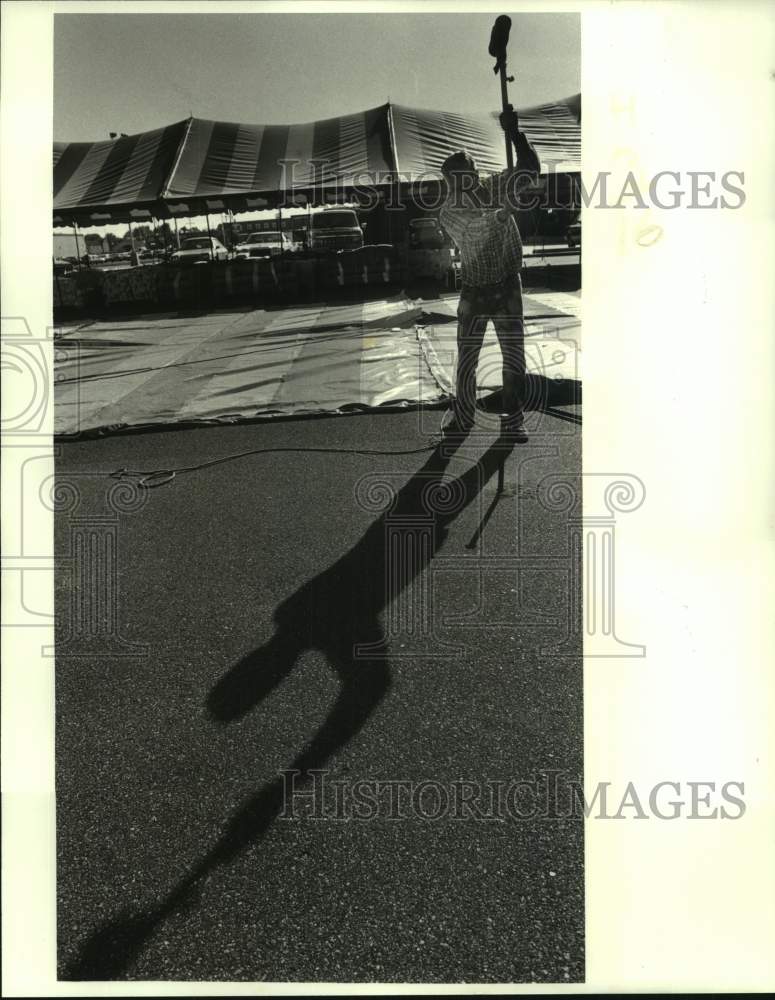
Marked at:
<point>528,163</point>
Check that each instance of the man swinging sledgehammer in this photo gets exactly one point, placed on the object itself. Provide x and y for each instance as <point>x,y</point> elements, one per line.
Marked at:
<point>478,215</point>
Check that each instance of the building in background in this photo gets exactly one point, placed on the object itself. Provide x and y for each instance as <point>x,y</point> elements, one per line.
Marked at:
<point>66,245</point>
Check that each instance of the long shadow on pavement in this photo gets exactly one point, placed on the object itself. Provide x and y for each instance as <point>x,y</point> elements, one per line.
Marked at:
<point>337,613</point>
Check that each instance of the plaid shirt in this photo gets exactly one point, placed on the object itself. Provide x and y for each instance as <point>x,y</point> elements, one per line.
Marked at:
<point>487,237</point>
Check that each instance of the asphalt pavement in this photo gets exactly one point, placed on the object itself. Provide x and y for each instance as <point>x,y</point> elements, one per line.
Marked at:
<point>206,636</point>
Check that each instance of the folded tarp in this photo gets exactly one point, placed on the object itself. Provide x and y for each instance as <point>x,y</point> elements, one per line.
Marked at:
<point>197,164</point>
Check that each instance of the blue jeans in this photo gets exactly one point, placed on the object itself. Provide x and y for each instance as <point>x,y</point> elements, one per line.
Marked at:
<point>504,307</point>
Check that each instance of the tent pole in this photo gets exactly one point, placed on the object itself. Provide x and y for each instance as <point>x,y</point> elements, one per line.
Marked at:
<point>210,237</point>
<point>163,236</point>
<point>177,234</point>
<point>134,258</point>
<point>77,247</point>
<point>56,280</point>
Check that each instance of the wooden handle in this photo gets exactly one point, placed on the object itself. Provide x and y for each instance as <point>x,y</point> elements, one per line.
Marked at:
<point>506,107</point>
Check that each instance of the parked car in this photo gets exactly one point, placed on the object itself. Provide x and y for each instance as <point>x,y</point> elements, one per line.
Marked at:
<point>266,244</point>
<point>335,229</point>
<point>199,250</point>
<point>62,266</point>
<point>426,234</point>
<point>574,235</point>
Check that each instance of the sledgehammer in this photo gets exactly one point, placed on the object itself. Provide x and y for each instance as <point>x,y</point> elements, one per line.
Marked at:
<point>499,39</point>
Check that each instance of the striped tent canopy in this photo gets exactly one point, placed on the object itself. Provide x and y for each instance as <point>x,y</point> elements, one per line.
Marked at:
<point>227,159</point>
<point>424,139</point>
<point>115,178</point>
<point>197,164</point>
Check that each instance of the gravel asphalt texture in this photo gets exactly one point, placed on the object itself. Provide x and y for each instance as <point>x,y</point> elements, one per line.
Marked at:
<point>240,591</point>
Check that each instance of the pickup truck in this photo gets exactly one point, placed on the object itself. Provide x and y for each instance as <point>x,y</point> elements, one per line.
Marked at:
<point>335,229</point>
<point>426,234</point>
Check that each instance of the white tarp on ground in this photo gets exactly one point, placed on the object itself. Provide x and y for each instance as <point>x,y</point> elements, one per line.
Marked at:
<point>239,364</point>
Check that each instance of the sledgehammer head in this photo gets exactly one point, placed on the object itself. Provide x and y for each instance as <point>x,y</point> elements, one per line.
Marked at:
<point>499,39</point>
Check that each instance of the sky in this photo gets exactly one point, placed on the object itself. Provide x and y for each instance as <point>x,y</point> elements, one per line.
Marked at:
<point>135,72</point>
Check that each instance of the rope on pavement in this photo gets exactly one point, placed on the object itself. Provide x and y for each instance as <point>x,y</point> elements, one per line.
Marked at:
<point>158,477</point>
